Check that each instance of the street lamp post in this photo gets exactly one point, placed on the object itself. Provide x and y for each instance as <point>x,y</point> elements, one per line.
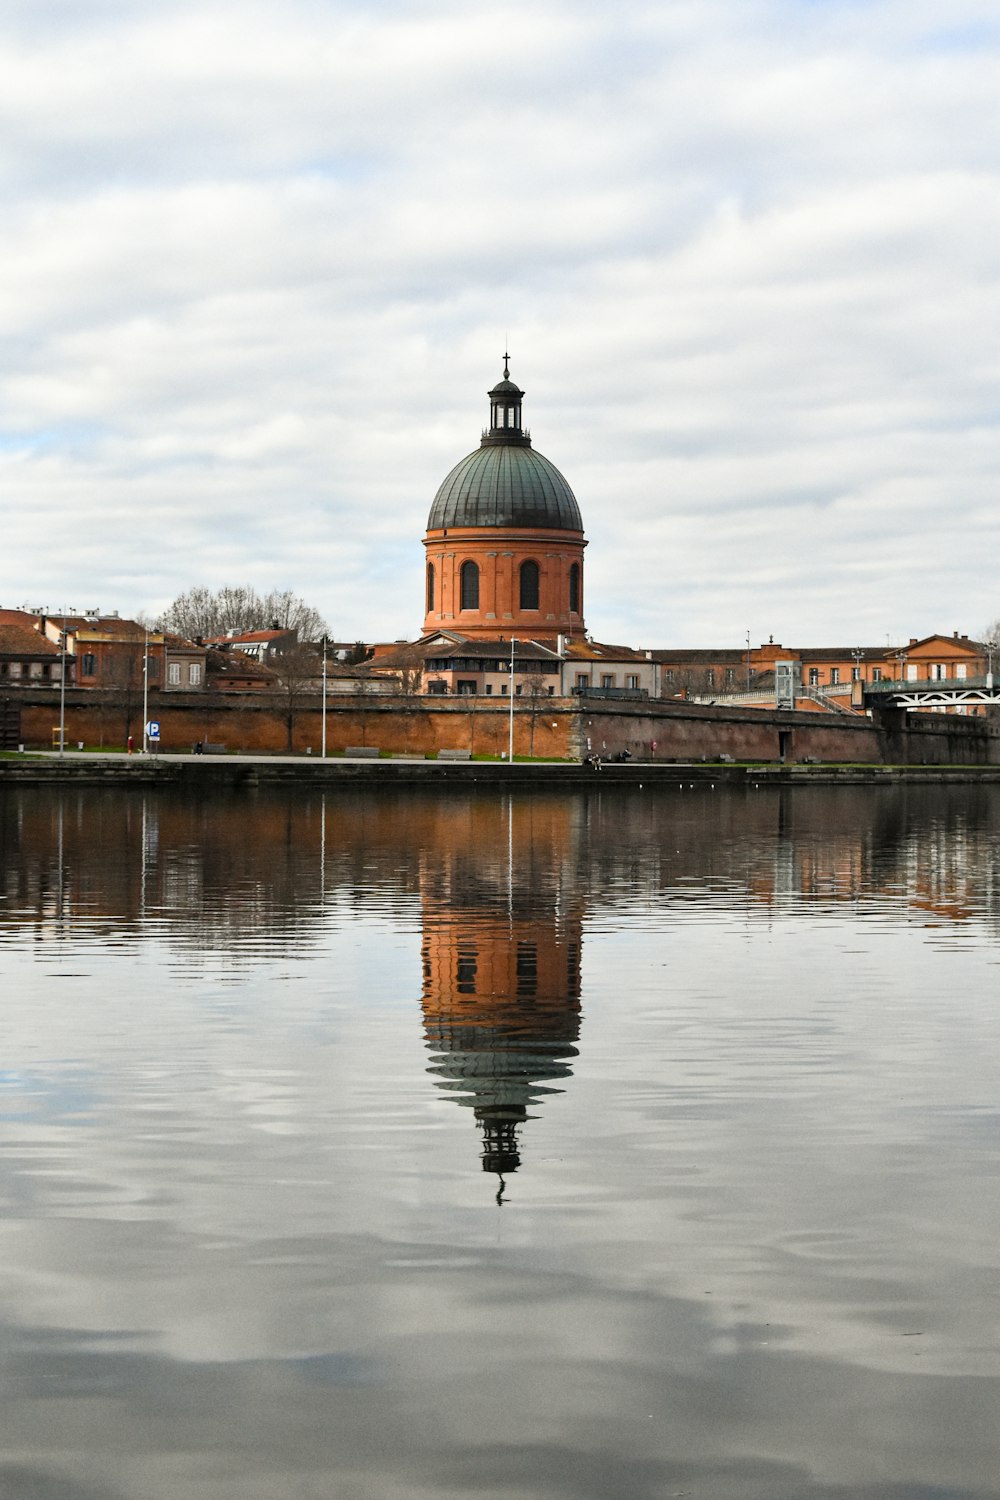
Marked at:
<point>510,752</point>
<point>323,729</point>
<point>62,689</point>
<point>145,692</point>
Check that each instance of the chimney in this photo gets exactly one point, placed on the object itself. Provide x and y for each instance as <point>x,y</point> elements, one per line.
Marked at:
<point>560,645</point>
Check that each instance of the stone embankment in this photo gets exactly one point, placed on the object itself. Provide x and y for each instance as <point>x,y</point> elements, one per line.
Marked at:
<point>207,773</point>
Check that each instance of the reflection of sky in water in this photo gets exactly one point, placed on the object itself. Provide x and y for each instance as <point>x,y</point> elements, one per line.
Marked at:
<point>748,1247</point>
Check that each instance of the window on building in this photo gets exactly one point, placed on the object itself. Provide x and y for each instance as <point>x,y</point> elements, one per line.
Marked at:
<point>938,672</point>
<point>574,589</point>
<point>960,671</point>
<point>194,673</point>
<point>632,681</point>
<point>814,676</point>
<point>36,669</point>
<point>607,679</point>
<point>573,971</point>
<point>730,675</point>
<point>503,689</point>
<point>709,677</point>
<point>668,674</point>
<point>154,669</point>
<point>583,679</point>
<point>469,577</point>
<point>466,975</point>
<point>527,968</point>
<point>529,585</point>
<point>489,689</point>
<point>911,671</point>
<point>834,674</point>
<point>430,587</point>
<point>174,674</point>
<point>88,664</point>
<point>855,674</point>
<point>876,674</point>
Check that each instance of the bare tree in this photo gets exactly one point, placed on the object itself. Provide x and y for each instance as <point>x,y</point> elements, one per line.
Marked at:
<point>692,681</point>
<point>536,694</point>
<point>364,688</point>
<point>206,612</point>
<point>299,671</point>
<point>473,701</point>
<point>121,678</point>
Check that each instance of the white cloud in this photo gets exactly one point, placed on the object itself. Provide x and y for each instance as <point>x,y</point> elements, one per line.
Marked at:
<point>259,264</point>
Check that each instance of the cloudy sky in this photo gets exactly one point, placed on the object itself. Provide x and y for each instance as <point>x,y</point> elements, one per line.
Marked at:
<point>259,261</point>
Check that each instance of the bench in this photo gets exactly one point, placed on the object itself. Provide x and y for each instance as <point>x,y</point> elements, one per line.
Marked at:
<point>366,752</point>
<point>204,748</point>
<point>454,755</point>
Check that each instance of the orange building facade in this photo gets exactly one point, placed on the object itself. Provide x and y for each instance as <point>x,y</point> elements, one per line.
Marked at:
<point>504,537</point>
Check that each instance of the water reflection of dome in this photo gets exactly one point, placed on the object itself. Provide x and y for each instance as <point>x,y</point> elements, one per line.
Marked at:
<point>501,1019</point>
<point>503,1054</point>
<point>501,967</point>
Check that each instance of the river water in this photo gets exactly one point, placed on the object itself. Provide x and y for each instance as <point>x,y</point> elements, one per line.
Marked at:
<point>537,1147</point>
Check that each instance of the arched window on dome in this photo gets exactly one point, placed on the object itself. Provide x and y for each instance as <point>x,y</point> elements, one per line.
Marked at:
<point>574,589</point>
<point>470,585</point>
<point>430,588</point>
<point>529,585</point>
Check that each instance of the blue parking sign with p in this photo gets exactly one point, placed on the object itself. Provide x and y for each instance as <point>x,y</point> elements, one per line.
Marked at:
<point>153,729</point>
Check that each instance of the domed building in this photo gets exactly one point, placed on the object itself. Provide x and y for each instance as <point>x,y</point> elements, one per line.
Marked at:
<point>504,537</point>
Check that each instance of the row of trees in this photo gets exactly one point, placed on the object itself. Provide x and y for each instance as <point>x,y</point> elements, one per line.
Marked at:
<point>205,612</point>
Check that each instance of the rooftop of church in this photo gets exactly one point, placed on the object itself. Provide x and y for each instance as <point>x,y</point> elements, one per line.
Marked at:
<point>505,482</point>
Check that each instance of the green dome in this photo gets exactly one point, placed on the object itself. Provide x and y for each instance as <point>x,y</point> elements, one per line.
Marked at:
<point>505,484</point>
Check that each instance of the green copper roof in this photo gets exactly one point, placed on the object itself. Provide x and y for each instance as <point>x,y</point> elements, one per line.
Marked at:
<point>505,484</point>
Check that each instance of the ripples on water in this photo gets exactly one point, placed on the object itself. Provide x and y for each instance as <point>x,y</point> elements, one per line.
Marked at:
<point>628,1143</point>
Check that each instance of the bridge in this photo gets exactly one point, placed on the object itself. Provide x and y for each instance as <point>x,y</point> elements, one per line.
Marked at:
<point>857,697</point>
<point>943,692</point>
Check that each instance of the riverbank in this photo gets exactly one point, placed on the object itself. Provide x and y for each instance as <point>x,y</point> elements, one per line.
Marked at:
<point>196,772</point>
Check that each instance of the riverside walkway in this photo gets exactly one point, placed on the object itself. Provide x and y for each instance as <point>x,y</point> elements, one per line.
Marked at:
<point>81,768</point>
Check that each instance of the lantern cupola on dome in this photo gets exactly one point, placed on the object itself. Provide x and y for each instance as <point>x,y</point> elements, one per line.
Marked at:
<point>505,411</point>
